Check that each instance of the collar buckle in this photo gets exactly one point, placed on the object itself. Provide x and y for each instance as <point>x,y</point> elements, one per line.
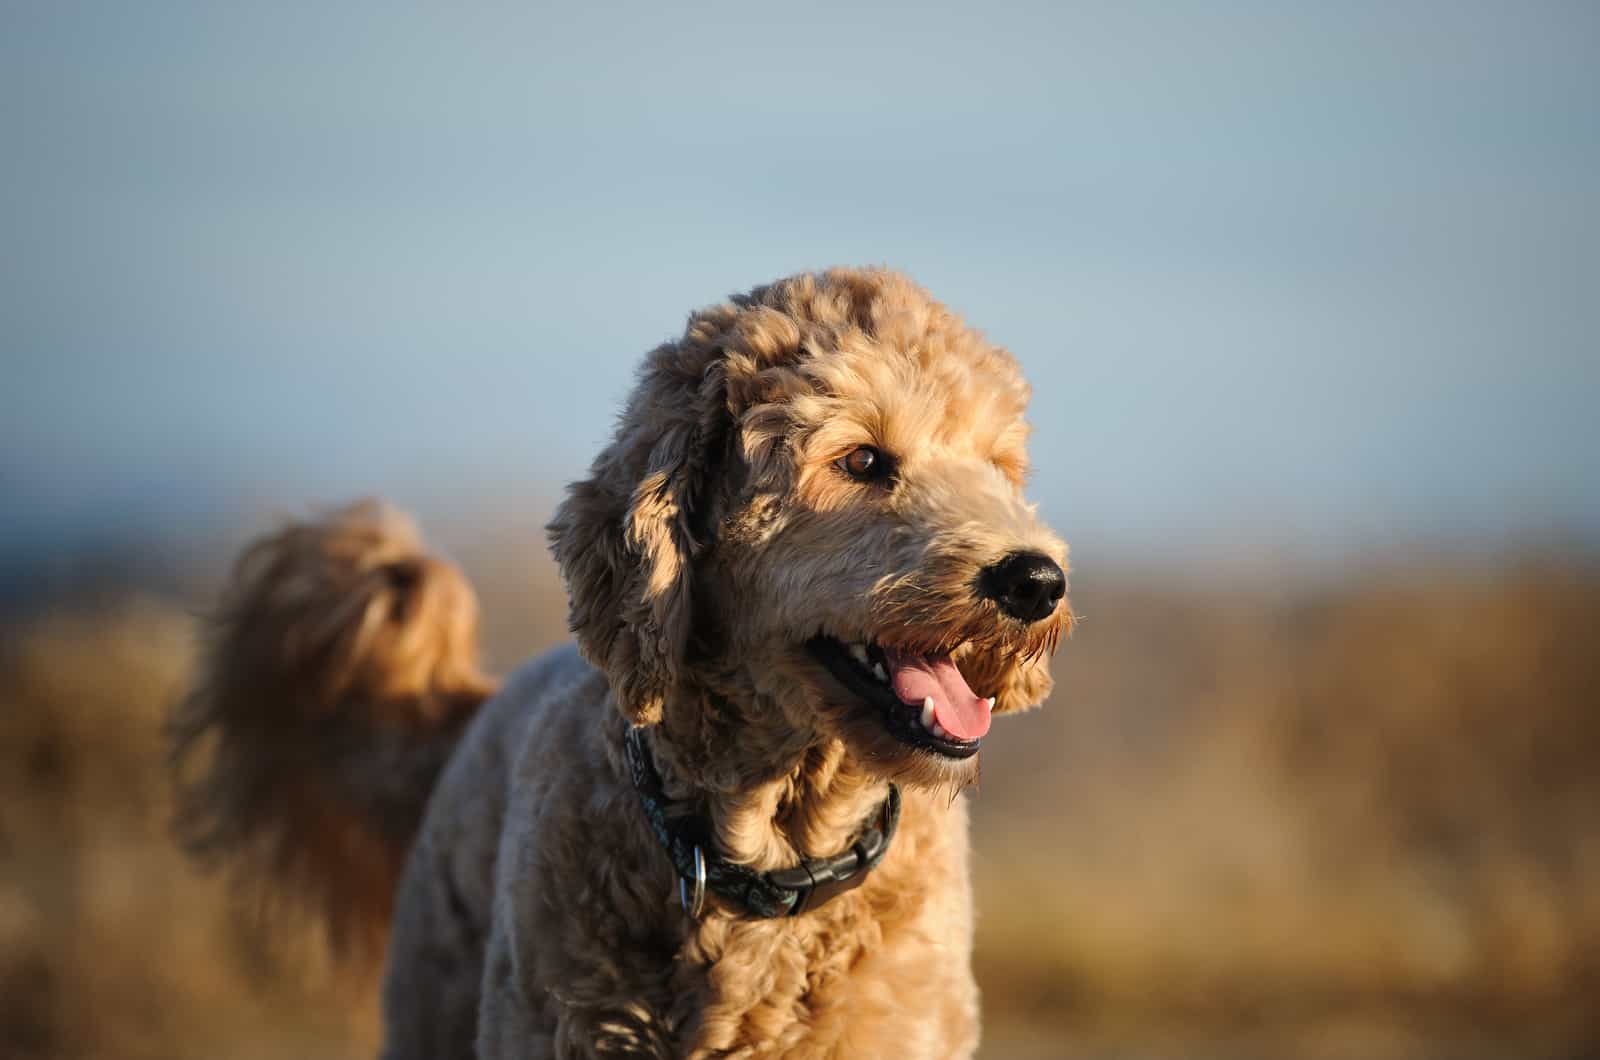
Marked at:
<point>816,882</point>
<point>819,880</point>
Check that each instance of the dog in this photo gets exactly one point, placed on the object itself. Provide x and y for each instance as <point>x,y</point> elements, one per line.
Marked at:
<point>802,578</point>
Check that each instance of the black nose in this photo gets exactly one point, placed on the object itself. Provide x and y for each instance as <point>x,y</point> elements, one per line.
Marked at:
<point>1026,585</point>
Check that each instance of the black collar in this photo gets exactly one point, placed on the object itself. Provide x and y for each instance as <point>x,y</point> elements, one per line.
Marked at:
<point>783,892</point>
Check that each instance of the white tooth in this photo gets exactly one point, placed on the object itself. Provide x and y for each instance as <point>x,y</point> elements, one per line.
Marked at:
<point>859,652</point>
<point>927,714</point>
<point>938,730</point>
<point>877,671</point>
<point>990,701</point>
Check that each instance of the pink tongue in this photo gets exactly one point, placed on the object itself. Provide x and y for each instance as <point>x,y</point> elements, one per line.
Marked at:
<point>955,706</point>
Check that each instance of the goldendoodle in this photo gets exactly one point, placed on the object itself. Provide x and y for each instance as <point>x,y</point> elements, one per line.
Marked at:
<point>802,576</point>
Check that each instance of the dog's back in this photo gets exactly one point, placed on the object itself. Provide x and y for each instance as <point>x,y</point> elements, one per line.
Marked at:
<point>445,904</point>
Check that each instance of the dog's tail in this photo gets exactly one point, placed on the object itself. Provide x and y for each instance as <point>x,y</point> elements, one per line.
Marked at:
<point>338,674</point>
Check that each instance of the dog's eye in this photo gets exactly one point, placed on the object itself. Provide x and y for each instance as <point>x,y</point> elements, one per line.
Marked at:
<point>866,464</point>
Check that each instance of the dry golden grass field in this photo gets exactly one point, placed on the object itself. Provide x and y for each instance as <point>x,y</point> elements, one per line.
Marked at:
<point>1351,818</point>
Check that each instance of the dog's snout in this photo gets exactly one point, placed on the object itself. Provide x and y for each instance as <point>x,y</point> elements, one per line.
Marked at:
<point>1026,585</point>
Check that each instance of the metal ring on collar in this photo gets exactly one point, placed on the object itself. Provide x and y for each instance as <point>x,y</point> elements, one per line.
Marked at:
<point>694,903</point>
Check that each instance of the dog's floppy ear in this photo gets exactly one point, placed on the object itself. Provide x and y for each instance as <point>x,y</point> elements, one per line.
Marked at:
<point>626,538</point>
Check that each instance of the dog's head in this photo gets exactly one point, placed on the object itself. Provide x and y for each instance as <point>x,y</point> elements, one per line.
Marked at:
<point>813,507</point>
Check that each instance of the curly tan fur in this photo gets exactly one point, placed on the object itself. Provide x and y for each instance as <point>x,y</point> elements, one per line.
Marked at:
<point>340,667</point>
<point>715,537</point>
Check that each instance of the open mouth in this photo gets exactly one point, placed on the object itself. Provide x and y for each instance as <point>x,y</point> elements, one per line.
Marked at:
<point>924,699</point>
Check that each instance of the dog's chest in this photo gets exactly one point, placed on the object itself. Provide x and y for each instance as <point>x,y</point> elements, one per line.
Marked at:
<point>851,984</point>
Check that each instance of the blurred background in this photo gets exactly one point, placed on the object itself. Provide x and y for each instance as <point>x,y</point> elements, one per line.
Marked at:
<point>1308,294</point>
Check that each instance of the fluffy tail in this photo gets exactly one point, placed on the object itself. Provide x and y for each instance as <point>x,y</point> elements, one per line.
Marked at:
<point>340,669</point>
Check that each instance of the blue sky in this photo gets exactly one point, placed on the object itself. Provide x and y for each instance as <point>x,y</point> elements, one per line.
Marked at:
<point>1313,276</point>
